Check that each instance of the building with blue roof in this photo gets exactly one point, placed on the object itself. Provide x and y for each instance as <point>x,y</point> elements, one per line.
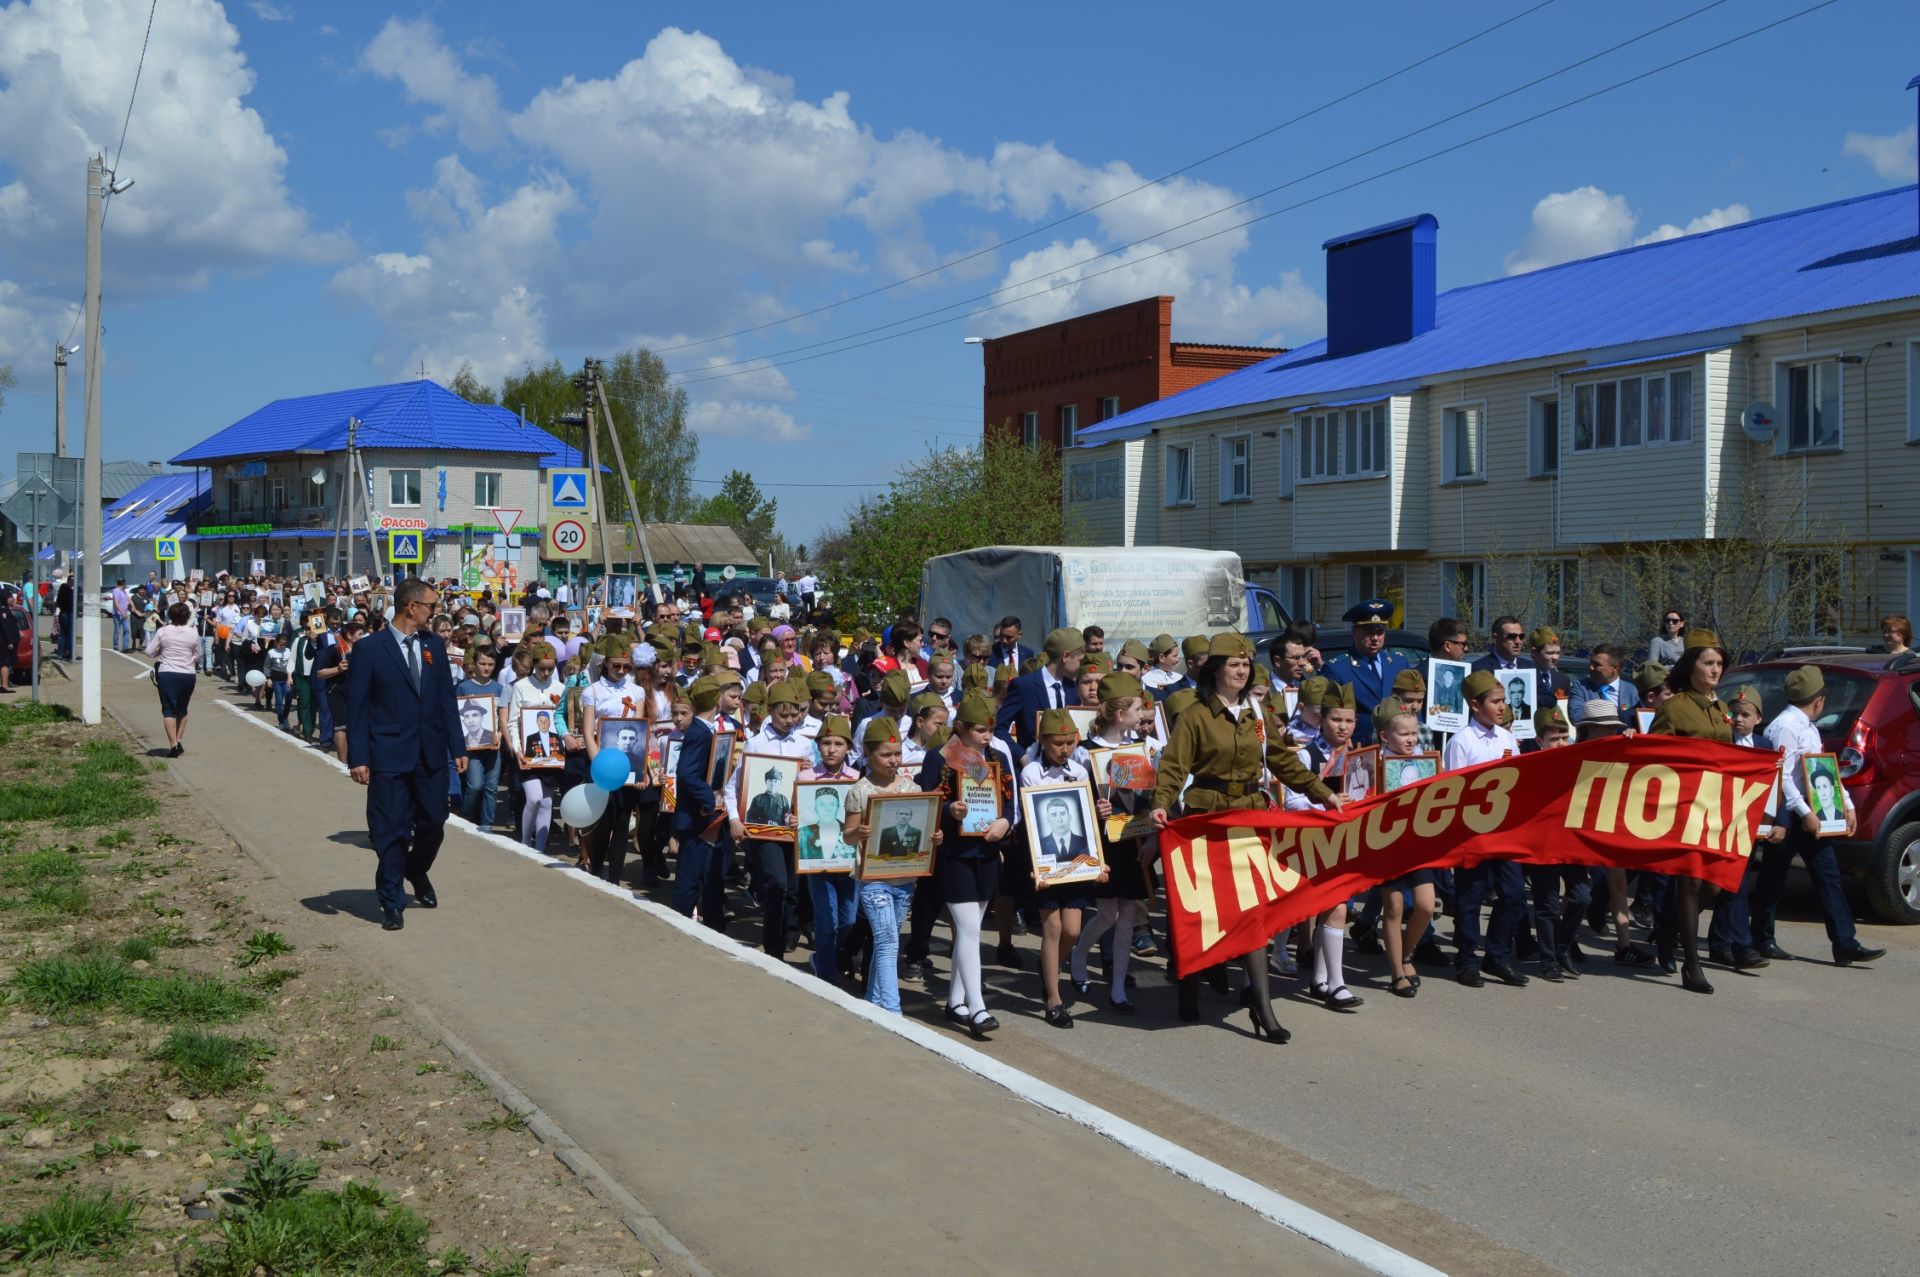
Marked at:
<point>1563,444</point>
<point>276,478</point>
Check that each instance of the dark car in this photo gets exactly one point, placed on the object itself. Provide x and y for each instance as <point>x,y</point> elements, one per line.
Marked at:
<point>760,589</point>
<point>1872,722</point>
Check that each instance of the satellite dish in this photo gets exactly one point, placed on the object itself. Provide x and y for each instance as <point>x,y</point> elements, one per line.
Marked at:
<point>319,475</point>
<point>727,573</point>
<point>1760,421</point>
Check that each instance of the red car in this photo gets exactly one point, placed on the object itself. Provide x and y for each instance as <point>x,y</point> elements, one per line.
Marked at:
<point>1872,721</point>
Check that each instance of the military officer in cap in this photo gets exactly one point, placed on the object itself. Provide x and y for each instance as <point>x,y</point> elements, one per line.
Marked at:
<point>1369,668</point>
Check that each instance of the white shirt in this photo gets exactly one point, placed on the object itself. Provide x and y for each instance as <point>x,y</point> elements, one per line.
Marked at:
<point>768,741</point>
<point>1794,733</point>
<point>1056,698</point>
<point>1478,744</point>
<point>615,700</point>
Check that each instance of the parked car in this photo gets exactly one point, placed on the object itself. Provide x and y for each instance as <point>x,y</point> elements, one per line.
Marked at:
<point>1872,722</point>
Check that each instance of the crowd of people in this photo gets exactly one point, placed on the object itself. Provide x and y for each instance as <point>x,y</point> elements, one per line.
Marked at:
<point>689,686</point>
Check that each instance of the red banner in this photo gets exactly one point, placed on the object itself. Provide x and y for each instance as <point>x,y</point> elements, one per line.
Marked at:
<point>1662,803</point>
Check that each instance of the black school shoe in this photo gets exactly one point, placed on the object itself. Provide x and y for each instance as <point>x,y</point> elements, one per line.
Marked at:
<point>1505,974</point>
<point>1859,953</point>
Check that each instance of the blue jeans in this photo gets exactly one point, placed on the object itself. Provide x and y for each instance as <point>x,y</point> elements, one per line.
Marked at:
<point>835,905</point>
<point>885,905</point>
<point>122,633</point>
<point>282,700</point>
<point>479,786</point>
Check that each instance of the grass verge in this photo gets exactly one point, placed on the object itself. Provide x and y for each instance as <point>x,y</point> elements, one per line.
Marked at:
<point>211,1063</point>
<point>95,980</point>
<point>71,1224</point>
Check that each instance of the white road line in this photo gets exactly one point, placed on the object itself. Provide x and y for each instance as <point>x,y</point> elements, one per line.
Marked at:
<point>1275,1207</point>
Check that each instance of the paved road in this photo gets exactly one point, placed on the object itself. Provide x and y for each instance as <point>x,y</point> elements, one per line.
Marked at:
<point>1613,1125</point>
<point>770,1132</point>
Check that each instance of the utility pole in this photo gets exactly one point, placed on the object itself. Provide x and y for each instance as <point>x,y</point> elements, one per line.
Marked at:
<point>59,400</point>
<point>626,485</point>
<point>87,603</point>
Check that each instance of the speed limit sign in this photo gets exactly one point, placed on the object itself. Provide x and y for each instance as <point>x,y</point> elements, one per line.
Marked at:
<point>567,539</point>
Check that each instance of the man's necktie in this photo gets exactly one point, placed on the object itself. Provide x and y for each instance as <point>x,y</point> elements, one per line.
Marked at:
<point>413,661</point>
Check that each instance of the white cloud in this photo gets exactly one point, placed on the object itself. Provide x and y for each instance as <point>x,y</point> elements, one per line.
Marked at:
<point>1586,221</point>
<point>820,252</point>
<point>414,54</point>
<point>270,12</point>
<point>1894,156</point>
<point>212,193</point>
<point>745,419</point>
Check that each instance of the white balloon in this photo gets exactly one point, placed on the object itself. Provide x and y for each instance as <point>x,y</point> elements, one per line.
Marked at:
<point>582,805</point>
<point>256,679</point>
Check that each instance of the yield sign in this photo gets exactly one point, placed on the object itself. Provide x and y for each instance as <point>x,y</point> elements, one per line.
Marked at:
<point>506,519</point>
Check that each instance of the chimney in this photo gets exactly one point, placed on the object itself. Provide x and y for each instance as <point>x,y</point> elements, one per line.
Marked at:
<point>1380,285</point>
<point>1912,84</point>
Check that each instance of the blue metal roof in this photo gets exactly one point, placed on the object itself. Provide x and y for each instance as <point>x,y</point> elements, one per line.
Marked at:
<point>1852,252</point>
<point>410,414</point>
<point>160,507</point>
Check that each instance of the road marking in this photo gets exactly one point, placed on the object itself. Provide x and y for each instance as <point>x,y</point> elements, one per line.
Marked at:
<point>1376,1256</point>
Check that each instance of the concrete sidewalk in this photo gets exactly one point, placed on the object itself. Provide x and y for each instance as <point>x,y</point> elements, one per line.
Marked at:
<point>769,1131</point>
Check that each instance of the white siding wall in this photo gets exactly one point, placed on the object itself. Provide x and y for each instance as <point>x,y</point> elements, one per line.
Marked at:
<point>1645,493</point>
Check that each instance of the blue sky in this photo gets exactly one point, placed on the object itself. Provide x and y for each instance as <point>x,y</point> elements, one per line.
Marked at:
<point>336,195</point>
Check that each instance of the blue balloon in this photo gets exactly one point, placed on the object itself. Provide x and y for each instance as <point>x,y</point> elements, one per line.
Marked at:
<point>611,767</point>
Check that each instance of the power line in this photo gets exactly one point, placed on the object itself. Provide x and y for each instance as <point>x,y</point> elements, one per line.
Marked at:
<point>801,390</point>
<point>106,204</point>
<point>746,419</point>
<point>758,484</point>
<point>773,360</point>
<point>1063,219</point>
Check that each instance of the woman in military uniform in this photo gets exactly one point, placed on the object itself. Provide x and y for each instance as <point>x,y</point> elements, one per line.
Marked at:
<point>1218,741</point>
<point>1694,709</point>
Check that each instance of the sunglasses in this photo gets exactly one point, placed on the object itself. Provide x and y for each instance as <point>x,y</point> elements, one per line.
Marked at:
<point>618,669</point>
<point>1673,620</point>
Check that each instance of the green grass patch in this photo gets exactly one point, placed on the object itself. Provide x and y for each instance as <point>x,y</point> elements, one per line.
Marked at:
<point>138,949</point>
<point>59,897</point>
<point>71,1224</point>
<point>350,1232</point>
<point>211,1063</point>
<point>381,1042</point>
<point>106,787</point>
<point>28,714</point>
<point>43,866</point>
<point>201,999</point>
<point>114,838</point>
<point>95,980</point>
<point>511,1122</point>
<point>260,946</point>
<point>270,981</point>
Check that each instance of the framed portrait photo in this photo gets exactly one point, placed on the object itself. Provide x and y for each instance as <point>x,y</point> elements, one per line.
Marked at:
<point>1400,770</point>
<point>629,736</point>
<point>767,784</point>
<point>1522,702</point>
<point>1125,776</point>
<point>539,742</point>
<point>1360,773</point>
<point>721,758</point>
<point>1083,716</point>
<point>1643,720</point>
<point>513,624</point>
<point>670,773</point>
<point>1447,695</point>
<point>479,728</point>
<point>1820,786</point>
<point>899,841</point>
<point>821,845</point>
<point>358,584</point>
<point>620,593</point>
<point>1063,835</point>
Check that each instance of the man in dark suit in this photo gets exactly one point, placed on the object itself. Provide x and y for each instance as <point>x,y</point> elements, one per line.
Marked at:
<point>1049,687</point>
<point>1007,648</point>
<point>402,726</point>
<point>1509,643</point>
<point>1369,669</point>
<point>1603,682</point>
<point>902,837</point>
<point>1059,841</point>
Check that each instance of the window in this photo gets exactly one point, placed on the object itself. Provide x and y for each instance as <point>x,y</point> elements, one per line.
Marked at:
<point>1069,423</point>
<point>1177,482</point>
<point>1556,594</point>
<point>1346,443</point>
<point>1810,402</point>
<point>1543,436</point>
<point>1633,411</point>
<point>316,492</point>
<point>403,487</point>
<point>1913,396</point>
<point>1030,429</point>
<point>1289,461</point>
<point>1296,592</point>
<point>1464,444</point>
<point>1109,407</point>
<point>1463,592</point>
<point>1811,590</point>
<point>244,495</point>
<point>1379,581</point>
<point>1236,468</point>
<point>486,489</point>
<point>278,495</point>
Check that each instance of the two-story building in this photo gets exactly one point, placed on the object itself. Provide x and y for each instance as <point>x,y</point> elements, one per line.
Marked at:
<point>1576,444</point>
<point>278,476</point>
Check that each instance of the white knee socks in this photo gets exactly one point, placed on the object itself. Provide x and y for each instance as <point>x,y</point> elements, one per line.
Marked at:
<point>963,990</point>
<point>1329,954</point>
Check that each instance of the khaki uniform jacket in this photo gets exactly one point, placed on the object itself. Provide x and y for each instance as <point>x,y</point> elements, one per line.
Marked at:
<point>1695,715</point>
<point>1226,758</point>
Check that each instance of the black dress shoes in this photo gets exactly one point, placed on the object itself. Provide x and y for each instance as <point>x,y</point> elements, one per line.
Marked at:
<point>1774,951</point>
<point>1506,974</point>
<point>1859,953</point>
<point>1470,976</point>
<point>1550,972</point>
<point>423,893</point>
<point>1750,960</point>
<point>1429,953</point>
<point>392,920</point>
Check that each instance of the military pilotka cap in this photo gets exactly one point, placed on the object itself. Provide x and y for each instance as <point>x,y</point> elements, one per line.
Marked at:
<point>1195,647</point>
<point>787,692</point>
<point>1002,674</point>
<point>976,709</point>
<point>1805,684</point>
<point>924,701</point>
<point>1222,645</point>
<point>1064,640</point>
<point>1261,678</point>
<point>974,678</point>
<point>1181,701</point>
<point>1338,696</point>
<point>820,682</point>
<point>1747,696</point>
<point>1386,711</point>
<point>1032,663</point>
<point>1650,677</point>
<point>1057,722</point>
<point>1410,681</point>
<point>894,688</point>
<point>837,725</point>
<point>1097,661</point>
<point>1550,719</point>
<point>1702,638</point>
<point>1312,689</point>
<point>1120,687</point>
<point>1542,637</point>
<point>1370,612</point>
<point>1161,645</point>
<point>1480,682</point>
<point>1136,650</point>
<point>758,624</point>
<point>756,694</point>
<point>881,730</point>
<point>703,693</point>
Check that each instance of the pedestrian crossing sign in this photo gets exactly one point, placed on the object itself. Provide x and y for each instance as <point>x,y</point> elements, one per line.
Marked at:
<point>403,547</point>
<point>166,549</point>
<point>567,489</point>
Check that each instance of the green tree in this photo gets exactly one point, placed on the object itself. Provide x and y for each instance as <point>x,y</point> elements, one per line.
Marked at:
<point>741,506</point>
<point>650,414</point>
<point>469,386</point>
<point>997,493</point>
<point>6,383</point>
<point>544,394</point>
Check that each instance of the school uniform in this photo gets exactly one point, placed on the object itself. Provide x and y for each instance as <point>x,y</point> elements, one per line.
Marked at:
<point>700,878</point>
<point>1502,879</point>
<point>1030,693</point>
<point>1079,895</point>
<point>772,862</point>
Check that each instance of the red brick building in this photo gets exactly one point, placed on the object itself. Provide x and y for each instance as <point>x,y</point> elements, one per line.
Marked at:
<point>1043,384</point>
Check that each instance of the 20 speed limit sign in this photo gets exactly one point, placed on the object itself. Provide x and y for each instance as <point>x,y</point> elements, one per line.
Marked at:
<point>567,539</point>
